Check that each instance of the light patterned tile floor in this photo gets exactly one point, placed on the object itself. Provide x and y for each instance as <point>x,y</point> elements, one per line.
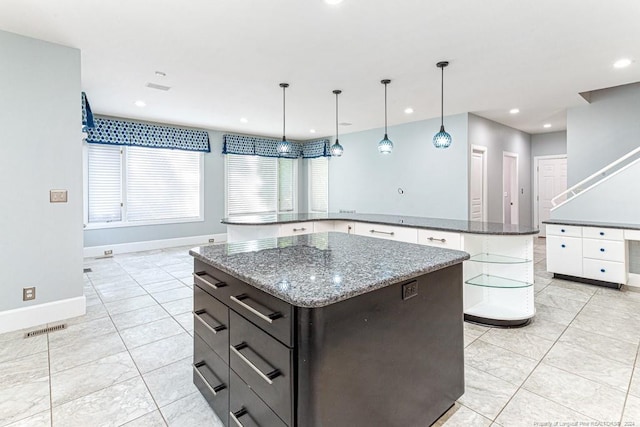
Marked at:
<point>127,361</point>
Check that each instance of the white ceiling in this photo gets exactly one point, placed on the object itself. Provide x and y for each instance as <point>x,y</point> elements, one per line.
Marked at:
<point>225,58</point>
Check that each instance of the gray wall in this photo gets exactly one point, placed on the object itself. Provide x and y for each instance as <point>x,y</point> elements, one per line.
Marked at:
<point>499,138</point>
<point>602,131</point>
<point>40,150</point>
<point>548,144</point>
<point>213,209</point>
<point>435,181</point>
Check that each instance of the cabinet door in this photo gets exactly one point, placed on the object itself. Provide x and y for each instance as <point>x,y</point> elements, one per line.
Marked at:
<point>323,226</point>
<point>344,227</point>
<point>564,255</point>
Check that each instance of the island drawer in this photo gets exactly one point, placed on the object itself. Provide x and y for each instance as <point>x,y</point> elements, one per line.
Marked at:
<point>213,281</point>
<point>402,234</point>
<point>603,233</point>
<point>610,250</point>
<point>607,271</point>
<point>247,410</point>
<point>564,230</point>
<point>211,376</point>
<point>211,322</point>
<point>441,239</point>
<point>264,364</point>
<point>294,229</point>
<point>267,312</point>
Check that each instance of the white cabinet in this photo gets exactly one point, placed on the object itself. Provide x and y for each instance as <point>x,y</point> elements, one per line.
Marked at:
<point>344,226</point>
<point>609,250</point>
<point>564,230</point>
<point>402,234</point>
<point>607,271</point>
<point>603,233</point>
<point>440,239</point>
<point>564,255</point>
<point>296,228</point>
<point>323,226</point>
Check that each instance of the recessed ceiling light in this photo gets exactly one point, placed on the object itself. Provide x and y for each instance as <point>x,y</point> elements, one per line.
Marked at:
<point>161,74</point>
<point>622,63</point>
<point>140,103</point>
<point>244,120</point>
<point>333,1</point>
<point>408,110</point>
<point>312,131</point>
<point>514,111</point>
<point>547,125</point>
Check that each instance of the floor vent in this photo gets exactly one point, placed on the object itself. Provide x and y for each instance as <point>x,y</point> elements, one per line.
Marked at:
<point>87,270</point>
<point>45,330</point>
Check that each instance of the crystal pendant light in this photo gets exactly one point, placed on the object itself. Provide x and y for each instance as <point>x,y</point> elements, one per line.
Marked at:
<point>336,148</point>
<point>442,139</point>
<point>284,146</point>
<point>385,146</point>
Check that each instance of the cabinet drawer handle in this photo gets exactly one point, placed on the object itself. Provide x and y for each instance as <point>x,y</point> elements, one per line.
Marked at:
<point>390,233</point>
<point>602,233</point>
<point>267,377</point>
<point>266,317</point>
<point>439,240</point>
<point>562,230</point>
<point>601,249</point>
<point>213,390</point>
<point>602,270</point>
<point>215,329</point>
<point>235,415</point>
<point>299,229</point>
<point>563,245</point>
<point>199,277</point>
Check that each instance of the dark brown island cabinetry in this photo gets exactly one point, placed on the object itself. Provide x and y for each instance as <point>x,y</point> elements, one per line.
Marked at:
<point>392,356</point>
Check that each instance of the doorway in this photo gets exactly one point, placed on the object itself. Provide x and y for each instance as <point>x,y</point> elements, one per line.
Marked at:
<point>550,179</point>
<point>478,184</point>
<point>510,200</point>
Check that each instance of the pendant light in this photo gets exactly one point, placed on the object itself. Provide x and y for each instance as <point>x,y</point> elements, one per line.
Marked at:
<point>442,139</point>
<point>284,146</point>
<point>336,148</point>
<point>385,146</point>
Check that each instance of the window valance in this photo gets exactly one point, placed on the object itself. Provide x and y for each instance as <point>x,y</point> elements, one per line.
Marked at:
<point>267,147</point>
<point>122,132</point>
<point>87,115</point>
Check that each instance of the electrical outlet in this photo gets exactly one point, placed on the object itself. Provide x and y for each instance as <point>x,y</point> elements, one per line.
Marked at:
<point>58,196</point>
<point>409,290</point>
<point>212,240</point>
<point>28,294</point>
<point>108,252</point>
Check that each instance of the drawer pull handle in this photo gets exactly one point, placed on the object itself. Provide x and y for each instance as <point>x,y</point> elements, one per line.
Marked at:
<point>563,245</point>
<point>562,230</point>
<point>199,277</point>
<point>215,329</point>
<point>267,377</point>
<point>390,233</point>
<point>602,233</point>
<point>601,249</point>
<point>214,390</point>
<point>299,229</point>
<point>602,270</point>
<point>431,239</point>
<point>235,415</point>
<point>266,317</point>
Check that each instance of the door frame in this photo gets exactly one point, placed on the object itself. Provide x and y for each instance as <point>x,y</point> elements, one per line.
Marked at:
<point>536,173</point>
<point>485,187</point>
<point>517,176</point>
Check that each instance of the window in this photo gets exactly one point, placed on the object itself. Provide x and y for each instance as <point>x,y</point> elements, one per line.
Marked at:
<point>136,185</point>
<point>260,185</point>
<point>319,184</point>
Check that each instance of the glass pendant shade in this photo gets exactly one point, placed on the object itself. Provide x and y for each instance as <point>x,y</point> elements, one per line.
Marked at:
<point>336,149</point>
<point>283,147</point>
<point>442,139</point>
<point>385,146</point>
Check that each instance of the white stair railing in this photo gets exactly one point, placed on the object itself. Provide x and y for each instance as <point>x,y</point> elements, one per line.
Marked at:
<point>573,191</point>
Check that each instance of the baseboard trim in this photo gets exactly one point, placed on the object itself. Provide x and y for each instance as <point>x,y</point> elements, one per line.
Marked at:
<point>634,280</point>
<point>149,245</point>
<point>35,315</point>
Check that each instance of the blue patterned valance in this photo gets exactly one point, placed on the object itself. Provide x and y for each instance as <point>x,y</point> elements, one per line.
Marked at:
<point>122,132</point>
<point>266,147</point>
<point>87,115</point>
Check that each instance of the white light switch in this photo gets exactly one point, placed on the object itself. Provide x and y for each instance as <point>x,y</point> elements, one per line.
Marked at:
<point>58,196</point>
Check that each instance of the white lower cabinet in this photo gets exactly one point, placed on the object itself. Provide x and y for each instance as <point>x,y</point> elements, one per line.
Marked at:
<point>402,234</point>
<point>607,271</point>
<point>564,255</point>
<point>440,239</point>
<point>344,226</point>
<point>296,228</point>
<point>323,226</point>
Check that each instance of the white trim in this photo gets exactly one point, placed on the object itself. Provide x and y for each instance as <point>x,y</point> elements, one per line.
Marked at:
<point>35,315</point>
<point>124,224</point>
<point>633,280</point>
<point>517,195</point>
<point>121,248</point>
<point>536,200</point>
<point>485,187</point>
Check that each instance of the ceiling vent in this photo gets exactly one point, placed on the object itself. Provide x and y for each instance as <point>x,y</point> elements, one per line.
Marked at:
<point>159,87</point>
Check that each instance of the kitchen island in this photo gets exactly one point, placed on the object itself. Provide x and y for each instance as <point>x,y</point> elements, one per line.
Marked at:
<point>328,329</point>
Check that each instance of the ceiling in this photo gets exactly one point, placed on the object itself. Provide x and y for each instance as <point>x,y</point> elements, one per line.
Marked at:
<point>224,59</point>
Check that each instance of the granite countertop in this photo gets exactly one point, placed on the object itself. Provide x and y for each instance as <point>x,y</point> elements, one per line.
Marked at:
<point>453,225</point>
<point>592,224</point>
<point>316,270</point>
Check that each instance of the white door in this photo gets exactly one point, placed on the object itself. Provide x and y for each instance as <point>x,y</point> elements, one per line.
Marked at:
<point>552,180</point>
<point>477,186</point>
<point>510,188</point>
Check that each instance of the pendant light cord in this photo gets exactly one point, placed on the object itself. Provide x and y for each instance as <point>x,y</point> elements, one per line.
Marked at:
<point>442,98</point>
<point>385,110</point>
<point>337,116</point>
<point>284,112</point>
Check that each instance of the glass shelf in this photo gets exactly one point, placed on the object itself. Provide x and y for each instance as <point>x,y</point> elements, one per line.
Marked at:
<point>488,281</point>
<point>497,259</point>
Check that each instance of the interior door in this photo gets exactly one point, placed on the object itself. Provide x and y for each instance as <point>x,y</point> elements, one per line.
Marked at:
<point>477,185</point>
<point>552,180</point>
<point>510,188</point>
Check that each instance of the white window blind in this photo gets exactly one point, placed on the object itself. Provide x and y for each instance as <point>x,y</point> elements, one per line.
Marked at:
<point>286,185</point>
<point>319,184</point>
<point>252,185</point>
<point>162,184</point>
<point>104,192</point>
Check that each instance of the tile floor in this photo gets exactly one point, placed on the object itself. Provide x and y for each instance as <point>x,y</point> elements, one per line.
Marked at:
<point>128,360</point>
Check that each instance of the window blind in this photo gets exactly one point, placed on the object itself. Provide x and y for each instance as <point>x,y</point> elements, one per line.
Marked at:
<point>319,184</point>
<point>286,185</point>
<point>162,184</point>
<point>252,184</point>
<point>104,167</point>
